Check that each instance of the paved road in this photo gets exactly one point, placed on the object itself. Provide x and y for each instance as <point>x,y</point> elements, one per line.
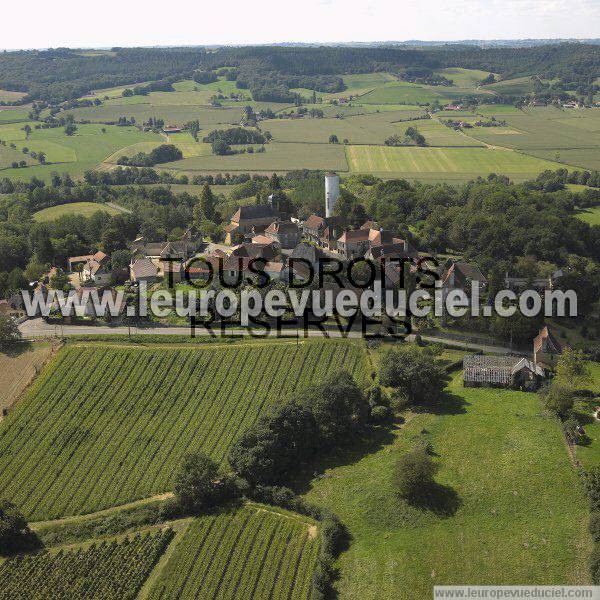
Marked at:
<point>37,328</point>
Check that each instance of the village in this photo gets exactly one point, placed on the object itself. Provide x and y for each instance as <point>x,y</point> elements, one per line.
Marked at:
<point>289,252</point>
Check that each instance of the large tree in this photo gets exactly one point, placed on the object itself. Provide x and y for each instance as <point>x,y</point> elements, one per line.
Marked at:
<point>196,485</point>
<point>13,528</point>
<point>414,371</point>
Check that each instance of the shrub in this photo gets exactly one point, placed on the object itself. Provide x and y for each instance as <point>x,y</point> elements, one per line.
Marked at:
<point>592,486</point>
<point>380,413</point>
<point>413,475</point>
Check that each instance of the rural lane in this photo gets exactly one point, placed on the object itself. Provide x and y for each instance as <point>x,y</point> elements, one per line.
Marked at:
<point>37,328</point>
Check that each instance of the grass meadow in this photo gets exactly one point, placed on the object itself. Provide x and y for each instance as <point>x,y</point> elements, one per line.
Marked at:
<point>504,477</point>
<point>85,209</point>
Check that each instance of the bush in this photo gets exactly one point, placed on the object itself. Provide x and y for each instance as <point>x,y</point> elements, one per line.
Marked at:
<point>380,413</point>
<point>592,486</point>
<point>14,531</point>
<point>413,475</point>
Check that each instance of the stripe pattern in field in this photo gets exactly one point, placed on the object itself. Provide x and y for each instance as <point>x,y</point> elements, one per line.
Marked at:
<point>104,571</point>
<point>105,425</point>
<point>252,553</point>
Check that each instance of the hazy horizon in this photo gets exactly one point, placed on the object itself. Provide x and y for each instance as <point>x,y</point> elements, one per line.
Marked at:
<point>232,22</point>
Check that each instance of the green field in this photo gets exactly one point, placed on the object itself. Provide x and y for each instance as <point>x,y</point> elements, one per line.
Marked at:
<point>511,509</point>
<point>9,96</point>
<point>464,78</point>
<point>84,209</point>
<point>277,157</point>
<point>467,162</point>
<point>9,155</point>
<point>363,129</point>
<point>588,158</point>
<point>17,114</point>
<point>104,571</point>
<point>437,134</point>
<point>590,215</point>
<point>103,426</point>
<point>519,86</point>
<point>253,552</point>
<point>72,154</point>
<point>401,92</point>
<point>589,452</point>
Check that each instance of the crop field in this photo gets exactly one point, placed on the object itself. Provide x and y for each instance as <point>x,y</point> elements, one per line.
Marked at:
<point>74,208</point>
<point>277,157</point>
<point>542,129</point>
<point>437,134</point>
<point>9,96</point>
<point>18,114</point>
<point>586,158</point>
<point>504,477</point>
<point>103,426</point>
<point>19,368</point>
<point>104,571</point>
<point>362,129</point>
<point>252,552</point>
<point>413,161</point>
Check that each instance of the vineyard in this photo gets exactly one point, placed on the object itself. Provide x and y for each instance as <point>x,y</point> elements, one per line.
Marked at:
<point>108,570</point>
<point>250,553</point>
<point>103,426</point>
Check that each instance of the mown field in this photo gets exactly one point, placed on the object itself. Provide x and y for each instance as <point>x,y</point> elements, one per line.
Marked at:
<point>103,425</point>
<point>277,157</point>
<point>103,571</point>
<point>253,552</point>
<point>74,208</point>
<point>504,478</point>
<point>414,162</point>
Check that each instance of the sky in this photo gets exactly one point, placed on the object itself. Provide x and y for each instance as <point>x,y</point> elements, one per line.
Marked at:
<point>110,23</point>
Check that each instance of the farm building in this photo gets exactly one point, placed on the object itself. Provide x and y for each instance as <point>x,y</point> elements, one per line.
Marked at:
<point>546,349</point>
<point>502,372</point>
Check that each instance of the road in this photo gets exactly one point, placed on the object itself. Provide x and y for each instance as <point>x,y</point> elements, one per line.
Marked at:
<point>37,328</point>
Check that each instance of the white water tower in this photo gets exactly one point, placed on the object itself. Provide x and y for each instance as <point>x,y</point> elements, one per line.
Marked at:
<point>332,192</point>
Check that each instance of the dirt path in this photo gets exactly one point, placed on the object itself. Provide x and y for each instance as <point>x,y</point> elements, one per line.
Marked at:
<point>101,513</point>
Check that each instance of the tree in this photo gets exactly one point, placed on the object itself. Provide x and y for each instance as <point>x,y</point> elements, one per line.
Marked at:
<point>414,371</point>
<point>196,485</point>
<point>571,370</point>
<point>112,239</point>
<point>220,147</point>
<point>27,130</point>
<point>413,475</point>
<point>70,129</point>
<point>333,139</point>
<point>338,406</point>
<point>41,158</point>
<point>13,528</point>
<point>205,209</point>
<point>557,398</point>
<point>9,332</point>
